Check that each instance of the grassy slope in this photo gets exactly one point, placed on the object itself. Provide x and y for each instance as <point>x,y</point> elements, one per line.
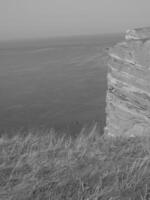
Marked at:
<point>90,167</point>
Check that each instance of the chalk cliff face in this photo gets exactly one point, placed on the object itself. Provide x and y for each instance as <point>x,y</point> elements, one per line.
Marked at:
<point>128,95</point>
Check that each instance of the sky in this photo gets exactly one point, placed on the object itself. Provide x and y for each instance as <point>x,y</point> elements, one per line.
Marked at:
<point>48,18</point>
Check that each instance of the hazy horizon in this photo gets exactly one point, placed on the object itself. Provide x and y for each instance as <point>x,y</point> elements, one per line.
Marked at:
<point>29,19</point>
<point>33,39</point>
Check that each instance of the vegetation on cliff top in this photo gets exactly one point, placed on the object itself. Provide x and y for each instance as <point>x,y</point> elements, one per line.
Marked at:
<point>89,167</point>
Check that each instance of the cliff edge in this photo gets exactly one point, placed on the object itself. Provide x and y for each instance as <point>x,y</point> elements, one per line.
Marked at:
<point>128,94</point>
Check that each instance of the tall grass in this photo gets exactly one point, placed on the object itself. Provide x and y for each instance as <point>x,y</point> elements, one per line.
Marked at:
<point>89,167</point>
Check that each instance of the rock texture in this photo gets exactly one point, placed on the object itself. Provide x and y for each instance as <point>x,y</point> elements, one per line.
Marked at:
<point>128,95</point>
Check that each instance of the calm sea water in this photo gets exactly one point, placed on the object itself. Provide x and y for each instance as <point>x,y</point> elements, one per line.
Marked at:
<point>58,83</point>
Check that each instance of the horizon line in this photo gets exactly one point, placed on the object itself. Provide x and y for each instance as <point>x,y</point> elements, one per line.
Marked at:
<point>58,37</point>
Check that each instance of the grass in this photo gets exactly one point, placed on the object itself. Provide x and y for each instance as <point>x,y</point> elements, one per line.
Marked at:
<point>88,167</point>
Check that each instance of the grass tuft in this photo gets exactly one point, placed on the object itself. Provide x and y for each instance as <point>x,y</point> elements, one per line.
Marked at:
<point>88,167</point>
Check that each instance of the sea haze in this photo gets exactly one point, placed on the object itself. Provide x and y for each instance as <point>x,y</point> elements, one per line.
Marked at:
<point>59,82</point>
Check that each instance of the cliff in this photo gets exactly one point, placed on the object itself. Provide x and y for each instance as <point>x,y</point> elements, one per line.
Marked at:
<point>128,94</point>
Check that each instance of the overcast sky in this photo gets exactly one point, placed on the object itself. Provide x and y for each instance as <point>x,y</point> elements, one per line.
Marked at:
<point>45,18</point>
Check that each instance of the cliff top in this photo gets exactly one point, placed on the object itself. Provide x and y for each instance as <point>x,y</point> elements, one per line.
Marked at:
<point>138,34</point>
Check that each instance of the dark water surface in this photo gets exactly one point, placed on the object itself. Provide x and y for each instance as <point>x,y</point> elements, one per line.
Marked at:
<point>58,83</point>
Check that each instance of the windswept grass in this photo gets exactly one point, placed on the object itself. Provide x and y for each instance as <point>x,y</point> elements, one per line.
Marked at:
<point>89,167</point>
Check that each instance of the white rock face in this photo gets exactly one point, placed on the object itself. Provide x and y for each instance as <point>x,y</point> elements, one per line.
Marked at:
<point>138,34</point>
<point>128,95</point>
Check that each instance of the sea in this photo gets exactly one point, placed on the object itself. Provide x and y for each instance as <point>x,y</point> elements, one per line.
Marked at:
<point>54,83</point>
